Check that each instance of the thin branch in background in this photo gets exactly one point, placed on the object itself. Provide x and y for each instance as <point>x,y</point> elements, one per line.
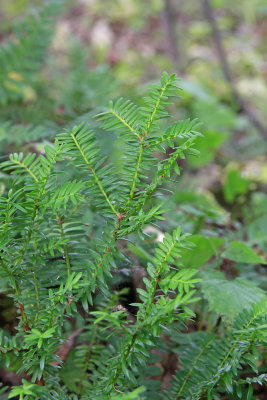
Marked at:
<point>208,11</point>
<point>171,42</point>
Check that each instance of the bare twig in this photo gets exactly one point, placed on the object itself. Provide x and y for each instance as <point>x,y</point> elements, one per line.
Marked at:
<point>64,350</point>
<point>170,37</point>
<point>226,69</point>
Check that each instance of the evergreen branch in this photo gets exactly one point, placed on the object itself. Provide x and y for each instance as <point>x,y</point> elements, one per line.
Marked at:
<point>122,117</point>
<point>158,102</point>
<point>92,170</point>
<point>89,352</point>
<point>170,245</point>
<point>237,348</point>
<point>235,344</point>
<point>260,380</point>
<point>163,173</point>
<point>65,247</point>
<point>99,184</point>
<point>193,366</point>
<point>7,270</point>
<point>35,280</point>
<point>136,171</point>
<point>11,207</point>
<point>21,164</point>
<point>29,234</point>
<point>36,206</point>
<point>153,110</point>
<point>124,122</point>
<point>163,254</point>
<point>180,129</point>
<point>18,165</point>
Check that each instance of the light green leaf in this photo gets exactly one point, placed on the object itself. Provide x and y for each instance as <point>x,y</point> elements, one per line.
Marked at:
<point>42,362</point>
<point>241,253</point>
<point>207,146</point>
<point>40,342</point>
<point>229,297</point>
<point>49,333</point>
<point>215,115</point>
<point>134,395</point>
<point>36,332</point>
<point>203,250</point>
<point>139,252</point>
<point>234,185</point>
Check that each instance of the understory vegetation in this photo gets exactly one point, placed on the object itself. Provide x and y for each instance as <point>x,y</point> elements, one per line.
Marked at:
<point>132,229</point>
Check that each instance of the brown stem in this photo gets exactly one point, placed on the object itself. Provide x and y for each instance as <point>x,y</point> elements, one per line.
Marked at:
<point>23,318</point>
<point>21,309</point>
<point>208,11</point>
<point>169,29</point>
<point>40,381</point>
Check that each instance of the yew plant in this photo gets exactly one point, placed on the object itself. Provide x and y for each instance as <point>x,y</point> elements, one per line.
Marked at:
<point>59,269</point>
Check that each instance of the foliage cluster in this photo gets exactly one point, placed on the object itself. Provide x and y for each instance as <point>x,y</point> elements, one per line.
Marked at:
<point>79,213</point>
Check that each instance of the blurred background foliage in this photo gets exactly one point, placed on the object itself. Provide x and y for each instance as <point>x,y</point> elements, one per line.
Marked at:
<point>61,65</point>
